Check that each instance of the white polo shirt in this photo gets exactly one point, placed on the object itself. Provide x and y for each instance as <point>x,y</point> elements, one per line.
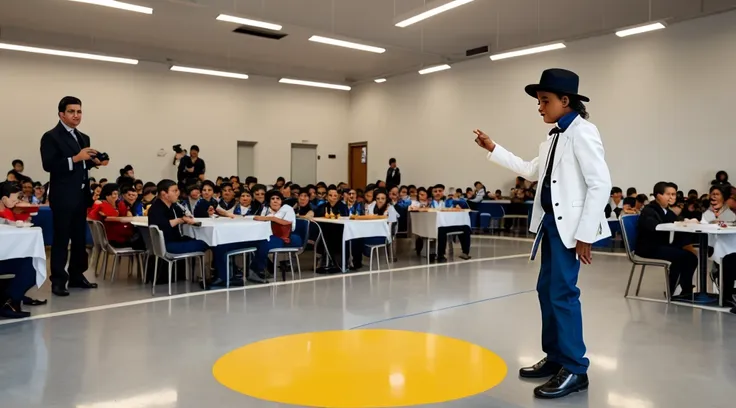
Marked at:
<point>286,213</point>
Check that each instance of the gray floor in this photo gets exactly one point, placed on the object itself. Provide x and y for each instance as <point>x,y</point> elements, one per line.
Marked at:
<point>158,352</point>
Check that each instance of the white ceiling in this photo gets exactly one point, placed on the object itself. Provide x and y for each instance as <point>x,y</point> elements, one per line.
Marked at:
<point>185,32</point>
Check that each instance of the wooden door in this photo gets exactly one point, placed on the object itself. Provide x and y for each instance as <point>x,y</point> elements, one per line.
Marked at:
<point>358,165</point>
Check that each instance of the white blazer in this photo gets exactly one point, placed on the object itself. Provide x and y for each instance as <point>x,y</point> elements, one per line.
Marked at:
<point>581,182</point>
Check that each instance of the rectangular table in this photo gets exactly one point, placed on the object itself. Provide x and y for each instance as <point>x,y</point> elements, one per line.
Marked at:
<point>219,231</point>
<point>26,243</point>
<point>354,229</point>
<point>425,224</point>
<point>703,230</point>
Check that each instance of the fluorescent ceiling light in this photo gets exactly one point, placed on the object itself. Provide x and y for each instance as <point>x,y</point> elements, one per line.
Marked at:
<point>249,22</point>
<point>434,69</point>
<point>431,13</point>
<point>208,72</point>
<point>46,51</point>
<point>314,84</point>
<point>118,5</point>
<point>641,29</point>
<point>379,80</point>
<point>527,51</point>
<point>346,44</point>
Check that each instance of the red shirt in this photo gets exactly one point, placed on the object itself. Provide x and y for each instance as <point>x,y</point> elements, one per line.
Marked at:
<point>116,231</point>
<point>9,215</point>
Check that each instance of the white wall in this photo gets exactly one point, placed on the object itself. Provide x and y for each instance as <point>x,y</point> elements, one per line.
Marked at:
<point>662,101</point>
<point>133,111</point>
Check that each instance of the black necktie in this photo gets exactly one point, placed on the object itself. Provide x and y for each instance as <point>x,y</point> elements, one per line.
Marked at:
<point>555,131</point>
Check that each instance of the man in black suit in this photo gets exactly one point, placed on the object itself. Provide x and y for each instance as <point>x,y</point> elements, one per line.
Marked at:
<point>192,167</point>
<point>66,154</point>
<point>656,244</point>
<point>393,175</point>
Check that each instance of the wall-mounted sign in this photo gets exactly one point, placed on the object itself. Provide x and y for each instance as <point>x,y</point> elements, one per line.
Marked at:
<point>364,155</point>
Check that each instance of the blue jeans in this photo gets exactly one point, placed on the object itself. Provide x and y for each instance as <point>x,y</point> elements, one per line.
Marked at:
<point>559,299</point>
<point>183,247</point>
<point>25,277</point>
<point>259,261</point>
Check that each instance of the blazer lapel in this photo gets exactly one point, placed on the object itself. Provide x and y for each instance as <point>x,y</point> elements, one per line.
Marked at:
<point>560,150</point>
<point>66,138</point>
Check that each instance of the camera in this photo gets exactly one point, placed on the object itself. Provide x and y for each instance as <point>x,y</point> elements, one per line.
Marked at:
<point>103,157</point>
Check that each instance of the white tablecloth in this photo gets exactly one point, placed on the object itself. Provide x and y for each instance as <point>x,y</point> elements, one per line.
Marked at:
<point>723,240</point>
<point>221,231</point>
<point>24,243</point>
<point>354,229</point>
<point>425,224</point>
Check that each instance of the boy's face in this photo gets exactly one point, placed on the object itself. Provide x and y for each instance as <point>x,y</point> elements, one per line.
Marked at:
<point>18,167</point>
<point>207,192</point>
<point>27,189</point>
<point>131,196</point>
<point>303,200</point>
<point>668,197</point>
<point>321,193</point>
<point>245,199</point>
<point>368,196</point>
<point>11,177</point>
<point>260,195</point>
<point>422,195</point>
<point>228,194</point>
<point>194,194</point>
<point>332,197</point>
<point>437,193</point>
<point>551,107</point>
<point>394,195</point>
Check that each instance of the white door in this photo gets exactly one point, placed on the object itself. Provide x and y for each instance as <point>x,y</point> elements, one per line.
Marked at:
<point>246,160</point>
<point>303,164</point>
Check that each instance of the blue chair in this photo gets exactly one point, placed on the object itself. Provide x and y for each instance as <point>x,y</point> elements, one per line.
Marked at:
<point>629,232</point>
<point>302,231</point>
<point>497,213</point>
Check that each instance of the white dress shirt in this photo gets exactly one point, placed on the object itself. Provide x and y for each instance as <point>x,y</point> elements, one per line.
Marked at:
<point>286,213</point>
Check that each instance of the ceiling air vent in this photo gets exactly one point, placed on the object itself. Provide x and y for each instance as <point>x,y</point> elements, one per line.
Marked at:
<point>259,32</point>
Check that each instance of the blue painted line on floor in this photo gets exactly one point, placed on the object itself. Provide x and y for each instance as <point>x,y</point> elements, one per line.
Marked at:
<point>443,308</point>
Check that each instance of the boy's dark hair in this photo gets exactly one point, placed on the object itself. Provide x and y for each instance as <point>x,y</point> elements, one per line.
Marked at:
<point>305,192</point>
<point>295,187</point>
<point>725,191</point>
<point>108,190</point>
<point>93,186</point>
<point>209,183</point>
<point>442,186</point>
<point>410,186</point>
<point>660,188</point>
<point>251,179</point>
<point>469,189</point>
<point>66,101</point>
<point>135,183</point>
<point>245,191</point>
<point>193,187</point>
<point>499,192</point>
<point>630,191</point>
<point>9,188</point>
<point>18,161</point>
<point>616,190</point>
<point>194,147</point>
<point>164,186</point>
<point>332,187</point>
<point>321,184</point>
<point>642,198</point>
<point>226,184</point>
<point>103,180</point>
<point>280,179</point>
<point>630,201</point>
<point>576,105</point>
<point>391,161</point>
<point>459,190</point>
<point>673,185</point>
<point>370,187</point>
<point>273,193</point>
<point>258,187</point>
<point>125,188</point>
<point>692,191</point>
<point>216,190</point>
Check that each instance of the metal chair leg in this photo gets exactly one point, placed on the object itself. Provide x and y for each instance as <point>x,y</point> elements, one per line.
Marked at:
<point>667,283</point>
<point>388,261</point>
<point>169,263</point>
<point>176,271</point>
<point>631,276</point>
<point>155,276</point>
<point>115,262</point>
<point>104,265</point>
<point>298,266</point>
<point>291,264</point>
<point>227,268</point>
<point>275,266</point>
<point>370,261</point>
<point>641,276</point>
<point>201,268</point>
<point>145,266</point>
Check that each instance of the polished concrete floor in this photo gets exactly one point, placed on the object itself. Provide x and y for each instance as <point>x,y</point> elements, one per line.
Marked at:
<point>119,347</point>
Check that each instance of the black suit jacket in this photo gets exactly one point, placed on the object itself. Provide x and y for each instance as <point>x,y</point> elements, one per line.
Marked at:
<point>65,186</point>
<point>393,177</point>
<point>649,238</point>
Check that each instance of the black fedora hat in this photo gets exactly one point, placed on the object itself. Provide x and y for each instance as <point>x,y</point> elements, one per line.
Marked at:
<point>557,80</point>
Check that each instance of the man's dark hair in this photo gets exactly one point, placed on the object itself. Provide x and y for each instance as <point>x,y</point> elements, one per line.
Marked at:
<point>271,194</point>
<point>499,192</point>
<point>692,191</point>
<point>295,187</point>
<point>305,192</point>
<point>280,179</point>
<point>642,198</point>
<point>108,190</point>
<point>616,190</point>
<point>251,179</point>
<point>332,187</point>
<point>245,191</point>
<point>725,191</point>
<point>66,101</point>
<point>673,185</point>
<point>103,180</point>
<point>321,184</point>
<point>217,190</point>
<point>9,188</point>
<point>459,190</point>
<point>193,187</point>
<point>13,172</point>
<point>630,191</point>
<point>135,183</point>
<point>225,184</point>
<point>125,188</point>
<point>442,186</point>
<point>164,186</point>
<point>209,183</point>
<point>630,201</point>
<point>370,187</point>
<point>258,187</point>
<point>18,161</point>
<point>660,188</point>
<point>194,147</point>
<point>391,161</point>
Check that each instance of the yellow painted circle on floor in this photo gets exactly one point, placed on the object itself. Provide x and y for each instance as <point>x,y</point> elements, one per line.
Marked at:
<point>360,368</point>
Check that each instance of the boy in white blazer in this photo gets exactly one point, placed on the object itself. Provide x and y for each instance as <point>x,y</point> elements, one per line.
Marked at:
<point>568,217</point>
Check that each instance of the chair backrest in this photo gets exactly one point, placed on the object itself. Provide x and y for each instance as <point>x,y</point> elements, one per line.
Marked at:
<point>101,232</point>
<point>320,237</point>
<point>302,230</point>
<point>93,232</point>
<point>146,236</point>
<point>157,241</point>
<point>496,210</point>
<point>629,233</point>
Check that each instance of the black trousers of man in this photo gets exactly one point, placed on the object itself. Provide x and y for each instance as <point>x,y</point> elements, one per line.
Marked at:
<point>682,268</point>
<point>70,224</point>
<point>442,238</point>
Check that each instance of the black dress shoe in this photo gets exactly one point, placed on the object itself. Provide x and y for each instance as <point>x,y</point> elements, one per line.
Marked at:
<point>562,384</point>
<point>59,289</point>
<point>12,310</point>
<point>441,259</point>
<point>82,283</point>
<point>543,368</point>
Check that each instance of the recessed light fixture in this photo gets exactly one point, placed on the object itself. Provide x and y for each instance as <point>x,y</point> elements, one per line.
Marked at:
<point>118,5</point>
<point>432,12</point>
<point>346,44</point>
<point>640,29</point>
<point>249,22</point>
<point>314,84</point>
<point>434,69</point>
<point>527,51</point>
<point>379,80</point>
<point>71,54</point>
<point>208,72</point>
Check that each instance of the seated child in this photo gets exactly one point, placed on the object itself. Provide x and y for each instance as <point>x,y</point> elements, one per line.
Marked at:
<point>206,206</point>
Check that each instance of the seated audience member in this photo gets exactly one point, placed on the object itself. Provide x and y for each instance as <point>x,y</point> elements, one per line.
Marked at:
<point>641,201</point>
<point>138,184</point>
<point>469,193</point>
<point>149,194</point>
<point>18,166</point>
<point>631,192</point>
<point>380,184</point>
<point>96,202</point>
<point>321,195</point>
<point>678,206</point>
<point>629,207</point>
<point>127,176</point>
<point>333,205</point>
<point>295,190</point>
<point>26,186</point>
<point>332,232</point>
<point>437,202</point>
<point>235,181</point>
<point>368,201</point>
<point>393,195</point>
<point>312,191</point>
<point>279,183</point>
<point>129,206</point>
<point>691,210</point>
<point>718,210</point>
<point>12,176</point>
<point>119,234</point>
<point>721,179</point>
<point>102,182</point>
<point>219,180</point>
<point>195,194</point>
<point>283,224</point>
<point>422,200</point>
<point>12,201</point>
<point>39,194</point>
<point>245,205</point>
<point>250,181</point>
<point>732,203</point>
<point>499,194</point>
<point>302,207</point>
<point>286,193</point>
<point>259,196</point>
<point>206,206</point>
<point>404,193</point>
<point>226,205</point>
<point>692,194</point>
<point>384,208</point>
<point>480,192</point>
<point>359,195</point>
<point>216,193</point>
<point>616,202</point>
<point>656,244</point>
<point>412,192</point>
<point>354,207</point>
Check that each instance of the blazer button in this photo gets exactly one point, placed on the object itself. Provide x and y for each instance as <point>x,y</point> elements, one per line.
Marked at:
<point>557,204</point>
<point>559,218</point>
<point>554,181</point>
